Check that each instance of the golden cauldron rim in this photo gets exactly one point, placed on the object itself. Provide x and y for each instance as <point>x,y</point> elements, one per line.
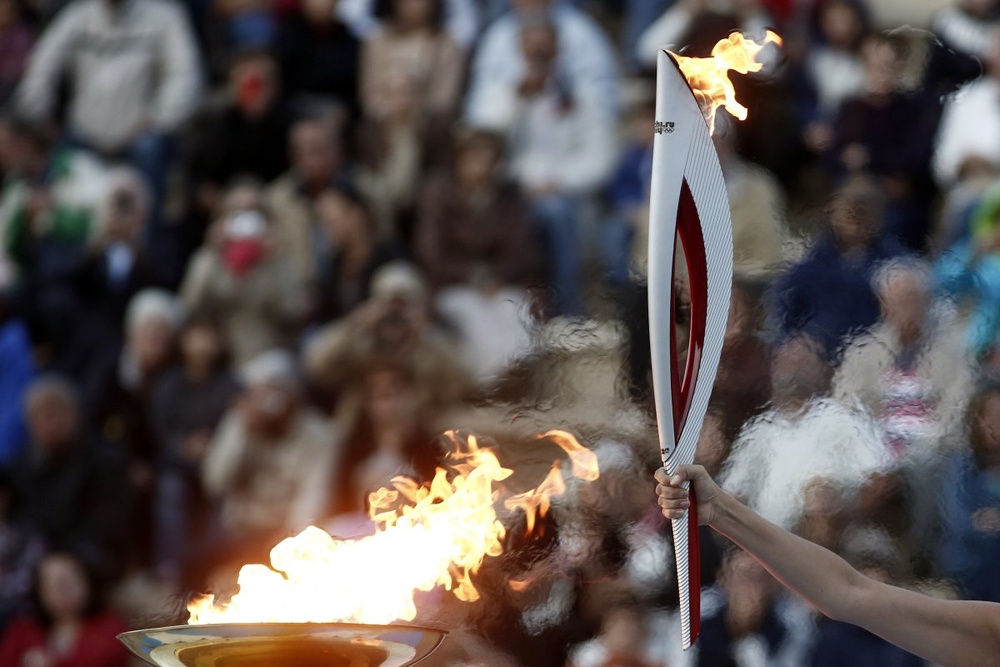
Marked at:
<point>277,629</point>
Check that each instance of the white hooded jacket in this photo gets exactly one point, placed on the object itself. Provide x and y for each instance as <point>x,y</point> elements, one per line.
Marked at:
<point>131,68</point>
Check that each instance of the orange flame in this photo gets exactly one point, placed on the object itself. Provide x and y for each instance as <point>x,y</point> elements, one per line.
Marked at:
<point>431,535</point>
<point>709,77</point>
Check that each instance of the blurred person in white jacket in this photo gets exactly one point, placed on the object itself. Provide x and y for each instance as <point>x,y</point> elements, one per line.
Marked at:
<point>562,145</point>
<point>135,75</point>
<point>586,55</point>
<point>968,26</point>
<point>806,454</point>
<point>966,158</point>
<point>968,140</point>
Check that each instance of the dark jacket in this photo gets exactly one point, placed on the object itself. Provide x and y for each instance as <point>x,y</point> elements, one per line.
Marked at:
<point>455,242</point>
<point>829,297</point>
<point>77,499</point>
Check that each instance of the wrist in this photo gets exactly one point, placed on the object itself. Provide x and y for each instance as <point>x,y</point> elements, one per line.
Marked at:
<point>724,515</point>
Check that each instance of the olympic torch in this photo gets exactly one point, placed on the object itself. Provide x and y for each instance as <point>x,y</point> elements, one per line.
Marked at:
<point>689,203</point>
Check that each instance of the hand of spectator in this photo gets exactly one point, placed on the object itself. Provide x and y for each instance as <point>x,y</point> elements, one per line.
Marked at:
<point>364,317</point>
<point>673,497</point>
<point>855,157</point>
<point>37,657</point>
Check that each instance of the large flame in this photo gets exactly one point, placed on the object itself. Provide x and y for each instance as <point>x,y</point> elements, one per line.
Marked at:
<point>709,77</point>
<point>427,536</point>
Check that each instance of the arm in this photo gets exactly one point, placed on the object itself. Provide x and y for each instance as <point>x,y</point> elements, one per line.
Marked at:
<point>178,90</point>
<point>36,96</point>
<point>445,86</point>
<point>947,632</point>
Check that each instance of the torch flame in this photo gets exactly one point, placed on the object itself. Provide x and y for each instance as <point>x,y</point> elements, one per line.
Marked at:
<point>709,77</point>
<point>430,535</point>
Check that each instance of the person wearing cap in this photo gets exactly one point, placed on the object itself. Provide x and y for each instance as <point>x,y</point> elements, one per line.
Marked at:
<point>394,323</point>
<point>272,455</point>
<point>951,633</point>
<point>245,278</point>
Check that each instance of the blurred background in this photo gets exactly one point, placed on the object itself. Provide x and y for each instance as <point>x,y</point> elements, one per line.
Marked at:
<point>255,255</point>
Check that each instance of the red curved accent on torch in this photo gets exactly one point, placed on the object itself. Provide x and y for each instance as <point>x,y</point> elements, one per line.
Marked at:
<point>693,242</point>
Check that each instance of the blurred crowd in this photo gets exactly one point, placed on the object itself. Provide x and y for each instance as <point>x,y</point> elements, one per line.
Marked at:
<point>255,255</point>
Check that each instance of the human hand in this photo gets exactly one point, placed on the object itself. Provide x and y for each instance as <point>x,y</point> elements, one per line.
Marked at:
<point>673,497</point>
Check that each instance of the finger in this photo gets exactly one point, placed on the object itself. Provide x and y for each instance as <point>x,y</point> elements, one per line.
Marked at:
<point>674,514</point>
<point>661,476</point>
<point>674,503</point>
<point>671,492</point>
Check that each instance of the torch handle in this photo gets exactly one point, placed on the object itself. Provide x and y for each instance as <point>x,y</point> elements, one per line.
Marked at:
<point>694,566</point>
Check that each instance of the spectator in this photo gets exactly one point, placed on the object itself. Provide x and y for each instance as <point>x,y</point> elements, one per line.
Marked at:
<point>475,244</point>
<point>242,275</point>
<point>99,285</point>
<point>914,374</point>
<point>69,485</point>
<point>743,379</point>
<point>746,620</point>
<point>270,459</point>
<point>561,147</point>
<point>246,24</point>
<point>71,627</point>
<point>461,18</point>
<point>806,445</point>
<point>17,369</point>
<point>348,254</point>
<point>317,163</point>
<point>968,140</point>
<point>833,70</point>
<point>17,39</point>
<point>888,132</point>
<point>911,370</point>
<point>970,506</point>
<point>628,198</point>
<point>320,56</point>
<point>412,43</point>
<point>388,434</point>
<point>20,551</point>
<point>248,137</point>
<point>623,642</point>
<point>761,244</point>
<point>393,324</point>
<point>134,69</point>
<point>48,205</point>
<point>187,404</point>
<point>122,399</point>
<point>968,26</point>
<point>392,152</point>
<point>828,294</point>
<point>585,57</point>
<point>970,273</point>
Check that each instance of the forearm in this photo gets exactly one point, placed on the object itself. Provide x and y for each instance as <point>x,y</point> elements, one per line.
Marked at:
<point>823,578</point>
<point>946,632</point>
